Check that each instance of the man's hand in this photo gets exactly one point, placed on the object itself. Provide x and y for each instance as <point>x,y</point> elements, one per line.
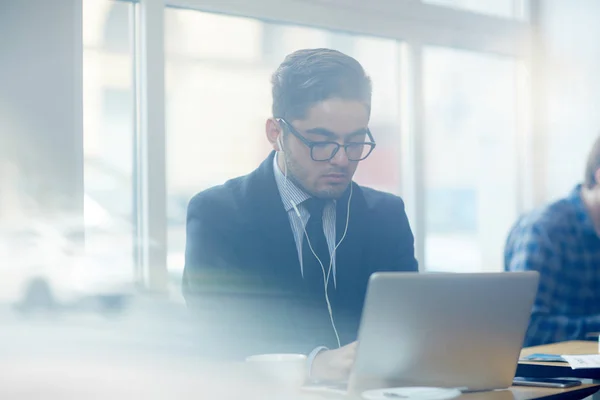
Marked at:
<point>334,365</point>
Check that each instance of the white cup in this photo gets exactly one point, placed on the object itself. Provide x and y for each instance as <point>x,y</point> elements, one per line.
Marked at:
<point>282,369</point>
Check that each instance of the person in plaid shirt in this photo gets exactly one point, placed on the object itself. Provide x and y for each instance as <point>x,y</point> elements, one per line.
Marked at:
<point>561,241</point>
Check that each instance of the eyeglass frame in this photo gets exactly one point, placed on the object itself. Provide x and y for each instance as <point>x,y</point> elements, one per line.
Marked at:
<point>311,143</point>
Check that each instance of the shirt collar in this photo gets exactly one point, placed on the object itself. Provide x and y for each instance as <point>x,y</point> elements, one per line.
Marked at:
<point>581,212</point>
<point>290,193</point>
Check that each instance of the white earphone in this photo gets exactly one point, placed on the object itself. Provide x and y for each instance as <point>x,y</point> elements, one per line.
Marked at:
<point>327,274</point>
<point>332,258</point>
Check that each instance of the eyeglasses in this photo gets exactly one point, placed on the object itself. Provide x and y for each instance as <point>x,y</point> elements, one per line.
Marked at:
<point>326,150</point>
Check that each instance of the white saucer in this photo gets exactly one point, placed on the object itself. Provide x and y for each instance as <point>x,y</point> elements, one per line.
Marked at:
<point>412,393</point>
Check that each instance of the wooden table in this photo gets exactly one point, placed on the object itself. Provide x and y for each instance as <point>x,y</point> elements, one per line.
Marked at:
<point>538,369</point>
<point>531,393</point>
<point>513,393</point>
<point>65,376</point>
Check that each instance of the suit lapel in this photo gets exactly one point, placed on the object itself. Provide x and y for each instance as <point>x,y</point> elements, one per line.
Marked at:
<point>270,220</point>
<point>351,250</point>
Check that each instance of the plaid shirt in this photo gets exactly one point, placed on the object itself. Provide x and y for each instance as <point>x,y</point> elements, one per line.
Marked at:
<point>560,242</point>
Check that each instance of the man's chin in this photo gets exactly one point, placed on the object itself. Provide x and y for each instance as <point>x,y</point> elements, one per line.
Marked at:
<point>331,191</point>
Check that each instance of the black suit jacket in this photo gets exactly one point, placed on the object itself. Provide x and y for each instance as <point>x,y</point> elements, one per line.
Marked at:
<point>242,273</point>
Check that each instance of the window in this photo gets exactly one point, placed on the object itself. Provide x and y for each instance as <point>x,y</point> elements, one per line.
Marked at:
<point>109,115</point>
<point>470,158</point>
<point>498,8</point>
<point>218,99</point>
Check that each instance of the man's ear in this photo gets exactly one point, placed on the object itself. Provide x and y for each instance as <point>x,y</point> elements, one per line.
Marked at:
<point>273,131</point>
<point>597,177</point>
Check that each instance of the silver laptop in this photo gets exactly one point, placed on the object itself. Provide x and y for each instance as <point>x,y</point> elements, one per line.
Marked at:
<point>462,330</point>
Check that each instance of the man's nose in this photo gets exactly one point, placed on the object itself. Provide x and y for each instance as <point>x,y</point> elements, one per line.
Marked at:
<point>341,158</point>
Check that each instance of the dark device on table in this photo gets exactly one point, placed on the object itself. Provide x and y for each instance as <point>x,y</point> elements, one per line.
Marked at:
<point>546,382</point>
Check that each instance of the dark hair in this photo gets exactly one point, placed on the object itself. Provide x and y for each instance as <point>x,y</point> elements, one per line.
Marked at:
<point>592,165</point>
<point>309,76</point>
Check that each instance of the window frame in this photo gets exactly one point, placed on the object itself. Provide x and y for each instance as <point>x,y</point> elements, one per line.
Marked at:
<point>413,23</point>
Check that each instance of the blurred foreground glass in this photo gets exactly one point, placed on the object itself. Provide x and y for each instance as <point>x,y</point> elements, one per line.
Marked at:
<point>499,8</point>
<point>470,158</point>
<point>109,115</point>
<point>45,265</point>
<point>219,66</point>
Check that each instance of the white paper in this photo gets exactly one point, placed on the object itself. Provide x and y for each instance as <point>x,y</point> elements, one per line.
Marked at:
<point>583,361</point>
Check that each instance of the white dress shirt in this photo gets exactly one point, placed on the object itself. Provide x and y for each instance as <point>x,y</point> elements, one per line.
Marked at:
<point>292,195</point>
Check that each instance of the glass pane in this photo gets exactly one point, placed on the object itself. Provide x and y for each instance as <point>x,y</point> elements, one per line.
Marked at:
<point>498,8</point>
<point>471,158</point>
<point>222,99</point>
<point>108,117</point>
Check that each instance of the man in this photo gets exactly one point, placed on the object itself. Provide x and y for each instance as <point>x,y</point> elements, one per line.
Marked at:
<point>561,242</point>
<point>279,260</point>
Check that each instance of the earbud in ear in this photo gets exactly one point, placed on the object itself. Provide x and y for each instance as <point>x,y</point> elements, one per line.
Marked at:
<point>279,143</point>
